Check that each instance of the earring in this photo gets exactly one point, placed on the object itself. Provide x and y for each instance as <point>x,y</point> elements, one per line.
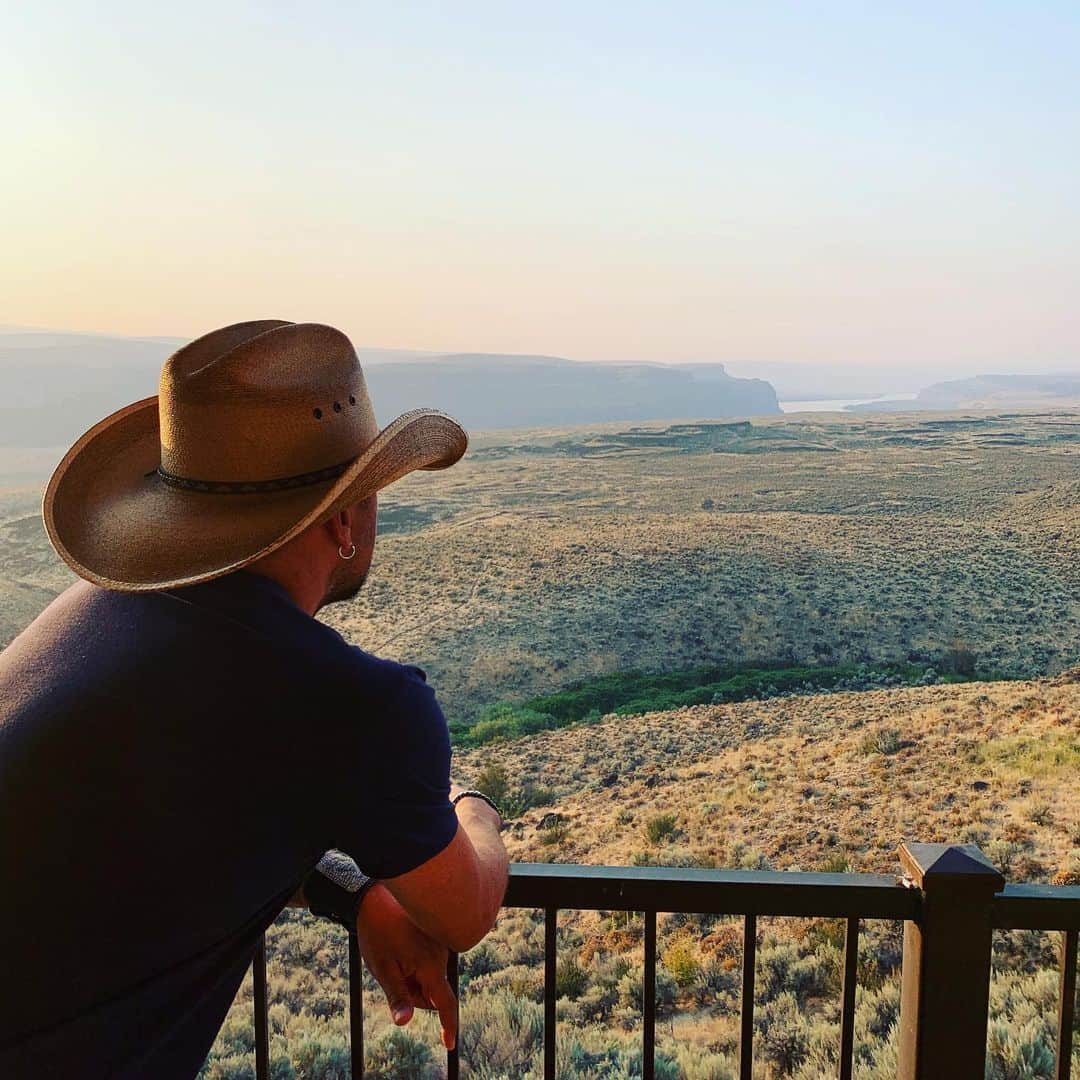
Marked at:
<point>352,552</point>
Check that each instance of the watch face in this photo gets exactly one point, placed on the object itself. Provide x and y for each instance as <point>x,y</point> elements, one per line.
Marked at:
<point>341,870</point>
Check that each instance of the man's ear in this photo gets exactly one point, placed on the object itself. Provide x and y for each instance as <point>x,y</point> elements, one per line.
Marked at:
<point>339,529</point>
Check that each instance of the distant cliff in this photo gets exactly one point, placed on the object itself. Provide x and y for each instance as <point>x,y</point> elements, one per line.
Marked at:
<point>55,386</point>
<point>493,391</point>
<point>996,390</point>
<point>989,392</point>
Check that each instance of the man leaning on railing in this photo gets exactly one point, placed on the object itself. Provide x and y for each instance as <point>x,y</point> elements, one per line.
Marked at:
<point>181,741</point>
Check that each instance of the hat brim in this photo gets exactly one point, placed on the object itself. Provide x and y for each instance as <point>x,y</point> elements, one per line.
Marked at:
<point>114,521</point>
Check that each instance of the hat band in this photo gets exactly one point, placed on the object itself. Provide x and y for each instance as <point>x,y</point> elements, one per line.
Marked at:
<point>253,487</point>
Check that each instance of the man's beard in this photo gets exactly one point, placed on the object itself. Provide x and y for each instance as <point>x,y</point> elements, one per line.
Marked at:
<point>342,588</point>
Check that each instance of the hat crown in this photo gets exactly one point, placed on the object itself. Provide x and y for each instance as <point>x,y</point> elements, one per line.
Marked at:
<point>263,401</point>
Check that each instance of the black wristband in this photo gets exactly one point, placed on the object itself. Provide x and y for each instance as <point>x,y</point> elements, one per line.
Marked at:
<point>472,793</point>
<point>335,889</point>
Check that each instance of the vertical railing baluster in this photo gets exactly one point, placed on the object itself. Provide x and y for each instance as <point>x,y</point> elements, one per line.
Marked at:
<point>648,999</point>
<point>262,1019</point>
<point>551,924</point>
<point>356,1008</point>
<point>847,1006</point>
<point>746,1019</point>
<point>1066,1005</point>
<point>453,1057</point>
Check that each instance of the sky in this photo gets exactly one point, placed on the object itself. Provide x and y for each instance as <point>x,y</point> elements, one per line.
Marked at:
<point>865,184</point>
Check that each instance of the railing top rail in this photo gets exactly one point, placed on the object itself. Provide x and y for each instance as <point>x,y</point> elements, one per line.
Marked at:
<point>721,892</point>
<point>1037,907</point>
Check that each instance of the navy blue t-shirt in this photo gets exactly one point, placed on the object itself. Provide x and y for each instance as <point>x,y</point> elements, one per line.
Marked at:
<point>172,765</point>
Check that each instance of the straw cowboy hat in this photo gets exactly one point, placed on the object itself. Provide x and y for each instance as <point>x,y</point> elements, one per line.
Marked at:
<point>258,430</point>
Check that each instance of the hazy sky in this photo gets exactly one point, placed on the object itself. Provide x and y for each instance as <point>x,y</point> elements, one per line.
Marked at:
<point>862,183</point>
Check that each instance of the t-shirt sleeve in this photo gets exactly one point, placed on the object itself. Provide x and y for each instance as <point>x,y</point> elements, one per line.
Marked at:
<point>395,811</point>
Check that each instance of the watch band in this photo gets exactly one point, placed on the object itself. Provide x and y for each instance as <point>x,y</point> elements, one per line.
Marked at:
<point>336,888</point>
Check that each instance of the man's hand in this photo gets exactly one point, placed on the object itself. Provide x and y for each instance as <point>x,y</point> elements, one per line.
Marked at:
<point>408,965</point>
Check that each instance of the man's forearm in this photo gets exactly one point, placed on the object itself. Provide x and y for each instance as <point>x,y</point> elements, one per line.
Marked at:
<point>455,896</point>
<point>482,826</point>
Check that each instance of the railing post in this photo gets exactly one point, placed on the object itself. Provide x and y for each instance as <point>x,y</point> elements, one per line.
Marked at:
<point>945,993</point>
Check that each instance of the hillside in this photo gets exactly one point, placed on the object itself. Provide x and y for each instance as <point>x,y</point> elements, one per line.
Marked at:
<point>1061,391</point>
<point>1003,391</point>
<point>559,554</point>
<point>551,555</point>
<point>828,782</point>
<point>794,782</point>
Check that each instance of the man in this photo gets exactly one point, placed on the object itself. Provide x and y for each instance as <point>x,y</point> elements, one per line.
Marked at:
<point>181,741</point>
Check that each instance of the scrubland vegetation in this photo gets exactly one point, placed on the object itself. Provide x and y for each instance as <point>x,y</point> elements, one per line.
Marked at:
<point>548,557</point>
<point>720,645</point>
<point>829,782</point>
<point>551,558</point>
<point>631,693</point>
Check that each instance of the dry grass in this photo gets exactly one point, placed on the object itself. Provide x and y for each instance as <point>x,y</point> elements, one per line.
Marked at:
<point>794,783</point>
<point>547,563</point>
<point>546,556</point>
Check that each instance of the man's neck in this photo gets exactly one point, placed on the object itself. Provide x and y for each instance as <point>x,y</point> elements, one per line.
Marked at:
<point>307,597</point>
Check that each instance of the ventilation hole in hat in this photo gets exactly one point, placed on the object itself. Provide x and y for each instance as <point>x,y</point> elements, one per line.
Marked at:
<point>352,400</point>
<point>337,406</point>
<point>317,414</point>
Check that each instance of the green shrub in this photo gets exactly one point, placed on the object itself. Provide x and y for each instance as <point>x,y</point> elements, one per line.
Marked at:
<point>397,1054</point>
<point>482,960</point>
<point>664,1066</point>
<point>518,800</point>
<point>501,1031</point>
<point>493,780</point>
<point>883,741</point>
<point>232,1067</point>
<point>323,1057</point>
<point>958,659</point>
<point>571,980</point>
<point>660,827</point>
<point>503,721</point>
<point>554,834</point>
<point>630,990</point>
<point>680,960</point>
<point>836,863</point>
<point>783,1035</point>
<point>628,693</point>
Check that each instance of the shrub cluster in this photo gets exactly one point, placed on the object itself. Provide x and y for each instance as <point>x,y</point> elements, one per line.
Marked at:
<point>630,693</point>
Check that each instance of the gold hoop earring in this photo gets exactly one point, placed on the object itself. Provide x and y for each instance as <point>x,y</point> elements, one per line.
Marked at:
<point>352,552</point>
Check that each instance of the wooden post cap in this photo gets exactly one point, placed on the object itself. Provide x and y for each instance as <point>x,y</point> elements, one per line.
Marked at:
<point>953,864</point>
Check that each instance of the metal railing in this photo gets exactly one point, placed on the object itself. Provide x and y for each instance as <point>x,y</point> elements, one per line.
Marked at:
<point>950,899</point>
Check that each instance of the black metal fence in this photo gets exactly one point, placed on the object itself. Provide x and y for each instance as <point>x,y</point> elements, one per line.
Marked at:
<point>949,898</point>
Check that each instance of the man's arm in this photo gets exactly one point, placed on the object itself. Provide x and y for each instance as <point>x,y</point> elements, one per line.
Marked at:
<point>409,965</point>
<point>455,896</point>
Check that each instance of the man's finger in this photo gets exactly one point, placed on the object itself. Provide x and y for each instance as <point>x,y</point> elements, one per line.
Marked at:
<point>442,997</point>
<point>398,998</point>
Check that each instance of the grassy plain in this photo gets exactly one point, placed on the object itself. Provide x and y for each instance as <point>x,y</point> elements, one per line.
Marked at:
<point>549,556</point>
<point>555,556</point>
